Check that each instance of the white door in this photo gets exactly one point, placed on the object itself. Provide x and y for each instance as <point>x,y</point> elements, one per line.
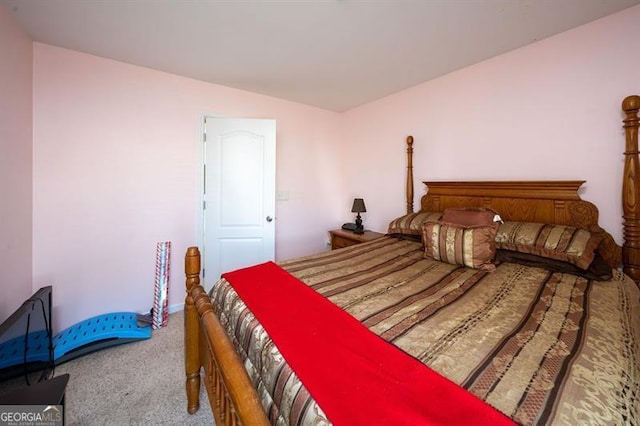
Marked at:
<point>239,194</point>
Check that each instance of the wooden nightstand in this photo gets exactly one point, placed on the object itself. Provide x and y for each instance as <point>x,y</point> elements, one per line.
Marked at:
<point>342,238</point>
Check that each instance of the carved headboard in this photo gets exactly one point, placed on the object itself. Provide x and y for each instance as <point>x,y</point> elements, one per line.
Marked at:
<point>521,201</point>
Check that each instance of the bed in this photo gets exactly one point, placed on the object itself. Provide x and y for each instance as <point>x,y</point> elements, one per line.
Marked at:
<point>547,337</point>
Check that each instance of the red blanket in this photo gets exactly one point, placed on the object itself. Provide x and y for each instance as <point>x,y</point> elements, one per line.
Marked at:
<point>355,376</point>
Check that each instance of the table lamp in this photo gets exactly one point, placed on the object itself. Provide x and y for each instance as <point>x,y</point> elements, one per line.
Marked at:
<point>358,207</point>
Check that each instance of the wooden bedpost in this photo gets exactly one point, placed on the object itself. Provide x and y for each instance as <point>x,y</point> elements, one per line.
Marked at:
<point>409,174</point>
<point>192,331</point>
<point>631,190</point>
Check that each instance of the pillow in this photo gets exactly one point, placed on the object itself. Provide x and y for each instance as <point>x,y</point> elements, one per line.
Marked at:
<point>411,223</point>
<point>599,270</point>
<point>472,246</point>
<point>470,216</point>
<point>559,242</point>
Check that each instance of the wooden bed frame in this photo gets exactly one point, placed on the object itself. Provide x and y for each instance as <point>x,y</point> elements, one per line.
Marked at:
<point>232,397</point>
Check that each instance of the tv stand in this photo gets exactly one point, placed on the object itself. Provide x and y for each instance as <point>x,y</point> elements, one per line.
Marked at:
<point>45,392</point>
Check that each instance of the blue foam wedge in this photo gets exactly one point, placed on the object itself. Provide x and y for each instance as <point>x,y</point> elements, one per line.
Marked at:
<point>97,333</point>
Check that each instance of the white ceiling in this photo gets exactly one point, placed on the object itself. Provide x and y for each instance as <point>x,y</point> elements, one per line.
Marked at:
<point>334,54</point>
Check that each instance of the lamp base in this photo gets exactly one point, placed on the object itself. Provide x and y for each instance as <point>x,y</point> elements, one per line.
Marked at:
<point>359,228</point>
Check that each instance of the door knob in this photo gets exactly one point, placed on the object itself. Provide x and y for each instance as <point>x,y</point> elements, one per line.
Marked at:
<point>269,219</point>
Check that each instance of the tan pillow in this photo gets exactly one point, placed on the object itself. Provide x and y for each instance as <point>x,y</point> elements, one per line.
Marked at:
<point>472,216</point>
<point>560,242</point>
<point>472,246</point>
<point>411,224</point>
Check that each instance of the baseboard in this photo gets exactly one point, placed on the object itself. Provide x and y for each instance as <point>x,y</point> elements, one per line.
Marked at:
<point>176,308</point>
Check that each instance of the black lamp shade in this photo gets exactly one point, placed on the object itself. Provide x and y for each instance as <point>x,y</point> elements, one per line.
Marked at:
<point>358,206</point>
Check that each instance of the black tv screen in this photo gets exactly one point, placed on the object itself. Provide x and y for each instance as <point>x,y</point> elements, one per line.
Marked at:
<point>26,341</point>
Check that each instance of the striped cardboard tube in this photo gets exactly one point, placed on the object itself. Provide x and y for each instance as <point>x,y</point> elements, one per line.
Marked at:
<point>161,289</point>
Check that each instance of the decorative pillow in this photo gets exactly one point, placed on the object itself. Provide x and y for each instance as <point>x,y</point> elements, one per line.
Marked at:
<point>411,223</point>
<point>472,246</point>
<point>599,270</point>
<point>560,242</point>
<point>473,216</point>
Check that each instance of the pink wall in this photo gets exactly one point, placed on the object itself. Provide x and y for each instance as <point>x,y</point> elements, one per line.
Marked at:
<point>114,153</point>
<point>15,164</point>
<point>115,172</point>
<point>550,110</point>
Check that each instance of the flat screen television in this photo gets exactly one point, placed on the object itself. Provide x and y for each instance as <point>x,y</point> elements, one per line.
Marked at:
<point>26,340</point>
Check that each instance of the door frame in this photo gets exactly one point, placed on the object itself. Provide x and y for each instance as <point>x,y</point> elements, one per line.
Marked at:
<point>200,156</point>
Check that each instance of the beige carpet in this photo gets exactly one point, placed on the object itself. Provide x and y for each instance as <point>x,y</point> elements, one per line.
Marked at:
<point>140,383</point>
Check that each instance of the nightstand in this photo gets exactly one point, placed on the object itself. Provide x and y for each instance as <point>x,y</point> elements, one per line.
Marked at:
<point>342,238</point>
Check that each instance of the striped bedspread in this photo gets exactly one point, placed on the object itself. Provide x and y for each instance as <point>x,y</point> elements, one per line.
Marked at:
<point>542,347</point>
